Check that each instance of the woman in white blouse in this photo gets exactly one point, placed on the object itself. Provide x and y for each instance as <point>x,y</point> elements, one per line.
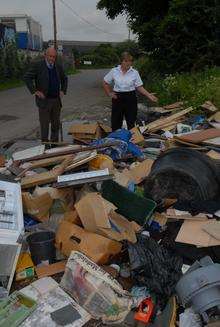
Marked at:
<point>126,80</point>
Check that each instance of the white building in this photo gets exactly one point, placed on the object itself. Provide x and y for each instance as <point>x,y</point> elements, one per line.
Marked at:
<point>28,31</point>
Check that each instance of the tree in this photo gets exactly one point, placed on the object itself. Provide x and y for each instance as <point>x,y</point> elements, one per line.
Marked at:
<point>131,46</point>
<point>179,35</point>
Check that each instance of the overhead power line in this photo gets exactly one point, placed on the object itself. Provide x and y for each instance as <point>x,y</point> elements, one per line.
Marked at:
<point>88,22</point>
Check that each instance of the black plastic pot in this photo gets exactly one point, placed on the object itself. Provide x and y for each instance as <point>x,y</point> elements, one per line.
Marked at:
<point>42,247</point>
<point>183,174</point>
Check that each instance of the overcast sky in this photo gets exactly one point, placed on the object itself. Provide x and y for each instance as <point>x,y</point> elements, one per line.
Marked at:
<point>69,26</point>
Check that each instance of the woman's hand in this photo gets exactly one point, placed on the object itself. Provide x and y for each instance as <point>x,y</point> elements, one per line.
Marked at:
<point>147,94</point>
<point>152,97</point>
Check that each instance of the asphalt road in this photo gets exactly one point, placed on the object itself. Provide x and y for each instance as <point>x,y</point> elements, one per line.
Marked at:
<point>85,100</point>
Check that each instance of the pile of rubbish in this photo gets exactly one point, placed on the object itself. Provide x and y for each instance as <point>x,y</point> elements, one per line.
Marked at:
<point>116,228</point>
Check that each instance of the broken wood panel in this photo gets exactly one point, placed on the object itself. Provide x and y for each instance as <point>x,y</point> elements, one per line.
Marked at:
<point>200,136</point>
<point>71,151</point>
<point>208,105</point>
<point>47,162</point>
<point>50,270</point>
<point>176,105</point>
<point>155,125</point>
<point>46,177</point>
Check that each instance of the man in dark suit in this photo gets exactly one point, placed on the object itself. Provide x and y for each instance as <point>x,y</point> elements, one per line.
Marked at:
<point>47,81</point>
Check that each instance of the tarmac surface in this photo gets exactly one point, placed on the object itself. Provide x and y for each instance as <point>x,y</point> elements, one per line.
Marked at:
<point>85,100</point>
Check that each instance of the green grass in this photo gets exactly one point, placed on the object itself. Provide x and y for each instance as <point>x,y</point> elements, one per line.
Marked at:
<point>10,84</point>
<point>194,88</point>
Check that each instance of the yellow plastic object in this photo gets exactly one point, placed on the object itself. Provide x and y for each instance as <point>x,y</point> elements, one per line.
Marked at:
<point>102,161</point>
<point>24,262</point>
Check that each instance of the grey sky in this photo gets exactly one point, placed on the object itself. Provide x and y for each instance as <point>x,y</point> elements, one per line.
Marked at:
<point>70,27</point>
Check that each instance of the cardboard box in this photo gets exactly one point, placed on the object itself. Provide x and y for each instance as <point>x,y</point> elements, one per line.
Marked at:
<point>89,131</point>
<point>94,211</point>
<point>99,249</point>
<point>121,229</point>
<point>37,206</point>
<point>63,198</point>
<point>72,217</point>
<point>98,215</point>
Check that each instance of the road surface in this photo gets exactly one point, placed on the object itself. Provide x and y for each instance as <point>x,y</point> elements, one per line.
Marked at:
<point>85,100</point>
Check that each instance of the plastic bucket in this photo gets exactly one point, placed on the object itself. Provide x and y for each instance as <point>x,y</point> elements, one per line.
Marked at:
<point>42,247</point>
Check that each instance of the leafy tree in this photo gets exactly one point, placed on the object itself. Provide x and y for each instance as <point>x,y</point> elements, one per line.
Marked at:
<point>179,34</point>
<point>130,46</point>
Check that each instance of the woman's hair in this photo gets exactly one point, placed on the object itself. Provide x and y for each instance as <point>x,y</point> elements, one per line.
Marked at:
<point>126,56</point>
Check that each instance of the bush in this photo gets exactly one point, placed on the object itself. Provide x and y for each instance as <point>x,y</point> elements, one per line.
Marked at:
<point>192,88</point>
<point>12,63</point>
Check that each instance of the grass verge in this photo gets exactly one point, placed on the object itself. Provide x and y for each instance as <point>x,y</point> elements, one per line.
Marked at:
<point>10,84</point>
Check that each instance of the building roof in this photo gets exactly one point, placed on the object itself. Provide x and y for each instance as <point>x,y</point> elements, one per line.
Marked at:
<point>82,43</point>
<point>11,16</point>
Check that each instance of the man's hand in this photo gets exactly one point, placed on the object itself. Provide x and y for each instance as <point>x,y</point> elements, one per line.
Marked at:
<point>61,94</point>
<point>152,97</point>
<point>39,94</point>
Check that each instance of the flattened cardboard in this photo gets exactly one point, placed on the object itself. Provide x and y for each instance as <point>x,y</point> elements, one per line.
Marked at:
<point>141,171</point>
<point>99,249</point>
<point>65,195</point>
<point>72,217</point>
<point>97,215</point>
<point>94,211</point>
<point>121,229</point>
<point>38,206</point>
<point>191,232</point>
<point>122,178</point>
<point>213,229</point>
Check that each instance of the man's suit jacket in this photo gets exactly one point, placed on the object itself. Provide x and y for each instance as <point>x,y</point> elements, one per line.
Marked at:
<point>37,79</point>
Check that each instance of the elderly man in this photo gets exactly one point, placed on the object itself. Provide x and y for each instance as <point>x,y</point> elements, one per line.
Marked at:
<point>47,81</point>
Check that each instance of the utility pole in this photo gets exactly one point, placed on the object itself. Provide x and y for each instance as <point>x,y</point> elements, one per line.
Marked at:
<point>54,24</point>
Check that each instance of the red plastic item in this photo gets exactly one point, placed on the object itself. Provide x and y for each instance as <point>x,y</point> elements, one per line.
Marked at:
<point>145,311</point>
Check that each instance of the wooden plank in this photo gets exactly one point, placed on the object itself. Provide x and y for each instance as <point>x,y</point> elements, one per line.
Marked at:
<point>47,162</point>
<point>200,136</point>
<point>50,270</point>
<point>176,105</point>
<point>71,151</point>
<point>46,177</point>
<point>162,121</point>
<point>177,140</point>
